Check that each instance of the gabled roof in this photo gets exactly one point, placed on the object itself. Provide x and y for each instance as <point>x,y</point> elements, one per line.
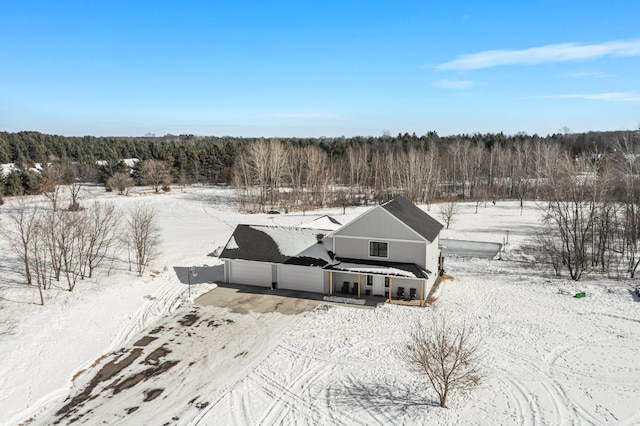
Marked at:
<point>412,216</point>
<point>275,244</point>
<point>324,222</point>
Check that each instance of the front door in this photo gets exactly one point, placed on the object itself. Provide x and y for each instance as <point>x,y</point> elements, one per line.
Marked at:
<point>378,285</point>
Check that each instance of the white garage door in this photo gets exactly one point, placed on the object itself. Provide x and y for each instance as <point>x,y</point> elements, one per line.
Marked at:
<point>303,278</point>
<point>251,273</point>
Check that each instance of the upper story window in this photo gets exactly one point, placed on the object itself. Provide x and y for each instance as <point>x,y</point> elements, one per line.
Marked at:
<point>378,249</point>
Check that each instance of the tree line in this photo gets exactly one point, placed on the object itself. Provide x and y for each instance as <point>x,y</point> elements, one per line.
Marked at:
<point>211,159</point>
<point>276,174</point>
<point>188,158</point>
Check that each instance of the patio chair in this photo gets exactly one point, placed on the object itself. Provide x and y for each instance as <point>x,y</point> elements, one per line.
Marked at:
<point>354,290</point>
<point>400,293</point>
<point>345,288</point>
<point>412,294</point>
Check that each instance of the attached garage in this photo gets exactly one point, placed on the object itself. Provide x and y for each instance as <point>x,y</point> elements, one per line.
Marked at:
<point>251,273</point>
<point>303,278</point>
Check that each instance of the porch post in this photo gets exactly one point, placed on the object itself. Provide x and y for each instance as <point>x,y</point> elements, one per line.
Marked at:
<point>330,289</point>
<point>421,293</point>
<point>358,286</point>
<point>390,289</point>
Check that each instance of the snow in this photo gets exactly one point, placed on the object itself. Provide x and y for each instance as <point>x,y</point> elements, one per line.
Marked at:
<point>290,241</point>
<point>348,300</point>
<point>232,244</point>
<point>130,162</point>
<point>323,222</point>
<point>549,358</point>
<point>7,168</point>
<point>373,269</point>
<point>319,251</point>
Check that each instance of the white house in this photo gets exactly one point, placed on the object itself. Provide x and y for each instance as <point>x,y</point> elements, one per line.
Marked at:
<point>391,250</point>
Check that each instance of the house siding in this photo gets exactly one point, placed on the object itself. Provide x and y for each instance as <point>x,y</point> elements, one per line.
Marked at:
<point>341,277</point>
<point>398,251</point>
<point>407,284</point>
<point>378,223</point>
<point>433,253</point>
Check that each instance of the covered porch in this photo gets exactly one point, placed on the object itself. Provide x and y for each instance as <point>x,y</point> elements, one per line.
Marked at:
<point>372,287</point>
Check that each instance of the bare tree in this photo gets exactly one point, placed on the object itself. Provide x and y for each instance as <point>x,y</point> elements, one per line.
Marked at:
<point>319,174</point>
<point>70,239</point>
<point>19,234</point>
<point>52,178</point>
<point>48,233</point>
<point>74,185</point>
<point>100,231</point>
<point>572,195</point>
<point>278,158</point>
<point>155,173</point>
<point>143,236</point>
<point>74,192</point>
<point>39,258</point>
<point>432,177</point>
<point>120,182</point>
<point>448,356</point>
<point>521,175</point>
<point>628,166</point>
<point>448,211</point>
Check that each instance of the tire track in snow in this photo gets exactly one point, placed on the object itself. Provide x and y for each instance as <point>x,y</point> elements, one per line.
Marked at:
<point>310,370</point>
<point>513,402</point>
<point>312,355</point>
<point>241,399</point>
<point>286,395</point>
<point>165,300</point>
<point>283,398</point>
<point>538,375</point>
<point>236,381</point>
<point>556,392</point>
<point>207,212</point>
<point>556,367</point>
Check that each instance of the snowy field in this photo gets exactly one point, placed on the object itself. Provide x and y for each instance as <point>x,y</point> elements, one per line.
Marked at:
<point>127,350</point>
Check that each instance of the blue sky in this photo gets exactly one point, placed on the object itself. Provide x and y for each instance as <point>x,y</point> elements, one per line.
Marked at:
<point>318,68</point>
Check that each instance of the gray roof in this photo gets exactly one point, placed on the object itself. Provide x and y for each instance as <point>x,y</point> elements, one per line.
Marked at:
<point>360,265</point>
<point>413,217</point>
<point>275,244</point>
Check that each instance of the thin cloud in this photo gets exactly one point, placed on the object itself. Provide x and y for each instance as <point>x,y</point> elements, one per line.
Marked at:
<point>592,74</point>
<point>543,54</point>
<point>454,84</point>
<point>611,96</point>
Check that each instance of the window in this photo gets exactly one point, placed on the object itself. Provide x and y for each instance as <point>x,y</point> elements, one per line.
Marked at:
<point>386,282</point>
<point>369,280</point>
<point>378,249</point>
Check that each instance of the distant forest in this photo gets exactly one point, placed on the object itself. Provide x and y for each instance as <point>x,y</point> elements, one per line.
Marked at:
<point>308,172</point>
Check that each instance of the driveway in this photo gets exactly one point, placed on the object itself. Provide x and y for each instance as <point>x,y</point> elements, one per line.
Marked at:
<point>247,298</point>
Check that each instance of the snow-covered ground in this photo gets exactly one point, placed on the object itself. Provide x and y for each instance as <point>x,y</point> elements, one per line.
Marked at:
<point>549,358</point>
